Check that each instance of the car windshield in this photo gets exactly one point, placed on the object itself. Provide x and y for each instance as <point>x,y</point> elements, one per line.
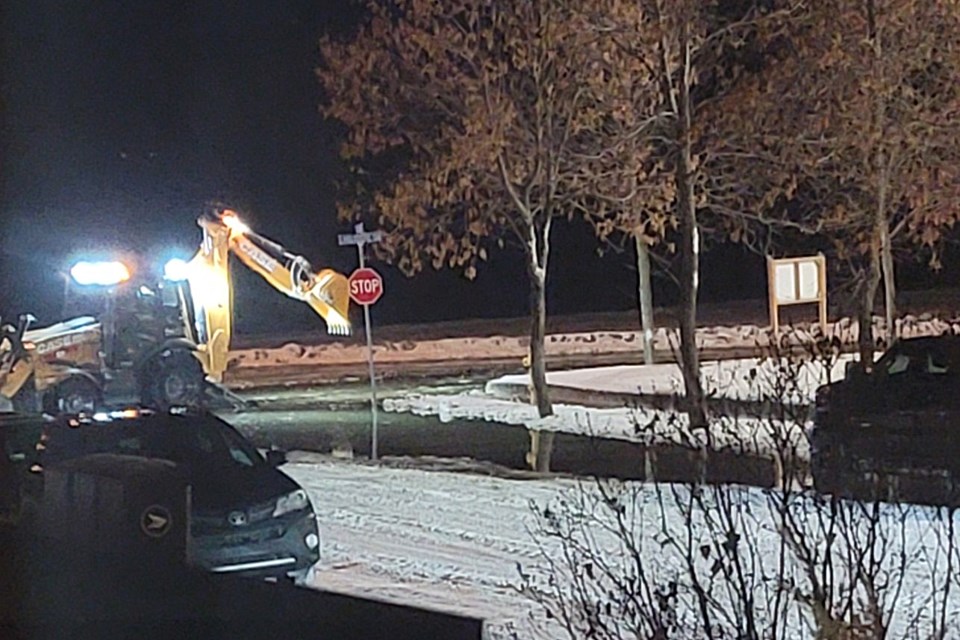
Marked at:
<point>927,361</point>
<point>900,363</point>
<point>201,442</point>
<point>225,438</point>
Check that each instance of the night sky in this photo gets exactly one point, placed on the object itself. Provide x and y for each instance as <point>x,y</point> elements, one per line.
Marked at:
<point>120,119</point>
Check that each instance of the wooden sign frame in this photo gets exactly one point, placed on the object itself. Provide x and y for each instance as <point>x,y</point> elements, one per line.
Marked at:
<point>795,281</point>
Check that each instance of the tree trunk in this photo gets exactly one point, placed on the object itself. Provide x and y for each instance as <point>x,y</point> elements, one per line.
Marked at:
<point>865,340</point>
<point>882,165</point>
<point>889,285</point>
<point>882,231</point>
<point>689,248</point>
<point>689,283</point>
<point>645,295</point>
<point>538,251</point>
<point>538,325</point>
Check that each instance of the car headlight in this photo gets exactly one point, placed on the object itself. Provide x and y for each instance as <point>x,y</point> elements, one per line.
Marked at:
<point>294,501</point>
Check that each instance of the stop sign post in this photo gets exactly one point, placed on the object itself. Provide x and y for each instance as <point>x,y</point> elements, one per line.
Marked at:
<point>366,287</point>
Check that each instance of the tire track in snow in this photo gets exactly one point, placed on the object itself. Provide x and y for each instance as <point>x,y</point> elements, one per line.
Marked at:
<point>414,536</point>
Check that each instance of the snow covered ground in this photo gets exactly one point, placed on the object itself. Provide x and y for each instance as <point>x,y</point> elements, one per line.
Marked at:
<point>457,542</point>
<point>745,379</point>
<point>751,380</point>
<point>437,540</point>
<point>416,344</point>
<point>460,542</point>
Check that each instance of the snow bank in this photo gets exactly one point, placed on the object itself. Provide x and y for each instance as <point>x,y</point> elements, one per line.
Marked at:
<point>753,380</point>
<point>761,437</point>
<point>748,379</point>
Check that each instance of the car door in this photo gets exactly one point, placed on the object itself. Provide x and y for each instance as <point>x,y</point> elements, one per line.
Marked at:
<point>885,421</point>
<point>918,388</point>
<point>933,410</point>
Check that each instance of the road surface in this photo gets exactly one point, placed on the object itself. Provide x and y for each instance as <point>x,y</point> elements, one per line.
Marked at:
<point>458,542</point>
<point>419,537</point>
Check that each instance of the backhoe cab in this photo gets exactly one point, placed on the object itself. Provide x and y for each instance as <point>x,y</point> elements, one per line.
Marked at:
<point>160,342</point>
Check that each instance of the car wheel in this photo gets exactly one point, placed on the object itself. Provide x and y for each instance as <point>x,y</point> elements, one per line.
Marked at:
<point>304,577</point>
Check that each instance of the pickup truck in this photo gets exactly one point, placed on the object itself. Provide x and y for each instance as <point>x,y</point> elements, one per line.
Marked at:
<point>893,434</point>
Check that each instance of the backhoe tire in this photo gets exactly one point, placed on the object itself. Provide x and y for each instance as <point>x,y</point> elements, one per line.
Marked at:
<point>73,395</point>
<point>173,379</point>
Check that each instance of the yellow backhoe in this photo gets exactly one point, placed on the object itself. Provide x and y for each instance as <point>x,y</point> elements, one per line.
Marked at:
<point>163,344</point>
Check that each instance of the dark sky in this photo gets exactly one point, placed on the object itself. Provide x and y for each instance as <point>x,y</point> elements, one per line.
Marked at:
<point>120,119</point>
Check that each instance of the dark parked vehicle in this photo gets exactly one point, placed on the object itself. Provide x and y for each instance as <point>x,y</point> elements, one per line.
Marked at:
<point>247,517</point>
<point>18,437</point>
<point>893,434</point>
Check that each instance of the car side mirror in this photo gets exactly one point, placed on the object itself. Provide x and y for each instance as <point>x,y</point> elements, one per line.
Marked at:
<point>276,457</point>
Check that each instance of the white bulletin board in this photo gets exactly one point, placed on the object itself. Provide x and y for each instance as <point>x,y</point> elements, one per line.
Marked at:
<point>797,281</point>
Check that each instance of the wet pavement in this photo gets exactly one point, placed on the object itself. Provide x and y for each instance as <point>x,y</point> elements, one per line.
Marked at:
<point>336,420</point>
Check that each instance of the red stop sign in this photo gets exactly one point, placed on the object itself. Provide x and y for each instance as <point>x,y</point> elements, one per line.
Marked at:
<point>366,286</point>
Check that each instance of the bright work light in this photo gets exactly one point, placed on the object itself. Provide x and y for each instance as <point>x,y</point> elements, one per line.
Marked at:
<point>230,219</point>
<point>176,270</point>
<point>104,274</point>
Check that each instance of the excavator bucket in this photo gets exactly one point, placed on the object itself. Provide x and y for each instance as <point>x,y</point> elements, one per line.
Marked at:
<point>329,296</point>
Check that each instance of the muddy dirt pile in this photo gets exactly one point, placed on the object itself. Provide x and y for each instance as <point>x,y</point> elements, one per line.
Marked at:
<point>738,339</point>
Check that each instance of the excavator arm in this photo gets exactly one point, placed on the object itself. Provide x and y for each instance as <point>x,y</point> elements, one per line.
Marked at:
<point>326,291</point>
<point>211,289</point>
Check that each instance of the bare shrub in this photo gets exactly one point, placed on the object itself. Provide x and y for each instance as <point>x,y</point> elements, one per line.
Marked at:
<point>654,561</point>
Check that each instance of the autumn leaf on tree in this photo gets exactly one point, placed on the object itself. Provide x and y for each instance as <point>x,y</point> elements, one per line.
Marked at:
<point>864,105</point>
<point>474,121</point>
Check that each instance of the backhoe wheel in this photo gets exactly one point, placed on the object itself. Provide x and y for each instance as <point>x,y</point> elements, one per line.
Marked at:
<point>173,379</point>
<point>73,395</point>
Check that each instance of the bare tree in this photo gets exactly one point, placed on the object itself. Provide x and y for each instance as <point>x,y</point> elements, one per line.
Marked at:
<point>862,107</point>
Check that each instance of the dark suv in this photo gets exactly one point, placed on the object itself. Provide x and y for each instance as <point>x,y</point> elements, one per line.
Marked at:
<point>247,517</point>
<point>893,434</point>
